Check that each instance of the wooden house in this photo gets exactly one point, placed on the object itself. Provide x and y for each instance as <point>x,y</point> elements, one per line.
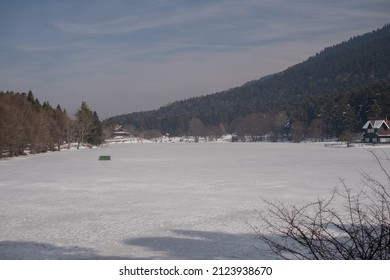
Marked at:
<point>120,132</point>
<point>376,131</point>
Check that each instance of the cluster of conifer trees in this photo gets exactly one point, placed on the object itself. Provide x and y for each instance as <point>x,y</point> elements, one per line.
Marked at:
<point>26,125</point>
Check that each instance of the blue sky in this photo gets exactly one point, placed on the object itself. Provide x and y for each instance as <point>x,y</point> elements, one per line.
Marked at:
<point>123,56</point>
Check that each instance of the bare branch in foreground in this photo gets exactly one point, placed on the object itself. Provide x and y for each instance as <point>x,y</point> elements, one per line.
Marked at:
<point>317,230</point>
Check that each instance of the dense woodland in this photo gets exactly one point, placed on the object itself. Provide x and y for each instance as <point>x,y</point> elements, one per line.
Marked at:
<point>26,125</point>
<point>332,94</point>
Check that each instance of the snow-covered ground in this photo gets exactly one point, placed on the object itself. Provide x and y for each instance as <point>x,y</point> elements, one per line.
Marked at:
<point>160,201</point>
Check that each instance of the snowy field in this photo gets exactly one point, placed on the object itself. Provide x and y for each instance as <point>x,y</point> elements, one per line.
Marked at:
<point>160,201</point>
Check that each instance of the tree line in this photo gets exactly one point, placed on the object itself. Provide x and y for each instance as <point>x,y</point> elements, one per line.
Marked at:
<point>26,125</point>
<point>317,117</point>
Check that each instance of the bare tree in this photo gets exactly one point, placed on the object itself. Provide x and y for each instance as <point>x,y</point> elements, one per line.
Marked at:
<point>298,131</point>
<point>27,126</point>
<point>196,128</point>
<point>317,230</point>
<point>316,129</point>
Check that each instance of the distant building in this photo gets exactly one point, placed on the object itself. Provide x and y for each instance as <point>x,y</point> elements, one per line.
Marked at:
<point>376,131</point>
<point>120,132</point>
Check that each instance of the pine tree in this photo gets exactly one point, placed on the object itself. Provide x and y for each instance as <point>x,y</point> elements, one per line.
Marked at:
<point>88,126</point>
<point>95,137</point>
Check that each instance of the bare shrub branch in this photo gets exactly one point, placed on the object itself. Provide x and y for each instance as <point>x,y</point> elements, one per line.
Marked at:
<point>317,230</point>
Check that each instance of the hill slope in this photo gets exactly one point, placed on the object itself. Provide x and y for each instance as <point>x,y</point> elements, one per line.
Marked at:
<point>320,90</point>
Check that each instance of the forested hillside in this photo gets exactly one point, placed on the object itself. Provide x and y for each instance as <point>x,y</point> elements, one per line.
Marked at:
<point>329,95</point>
<point>28,125</point>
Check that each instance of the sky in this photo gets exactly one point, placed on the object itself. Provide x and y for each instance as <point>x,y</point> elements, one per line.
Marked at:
<point>123,56</point>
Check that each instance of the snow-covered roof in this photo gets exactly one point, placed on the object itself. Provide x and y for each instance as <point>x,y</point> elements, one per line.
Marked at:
<point>121,132</point>
<point>376,124</point>
<point>367,125</point>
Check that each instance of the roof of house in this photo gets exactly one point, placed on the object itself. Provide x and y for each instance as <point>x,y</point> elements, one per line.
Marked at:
<point>376,124</point>
<point>383,132</point>
<point>120,130</point>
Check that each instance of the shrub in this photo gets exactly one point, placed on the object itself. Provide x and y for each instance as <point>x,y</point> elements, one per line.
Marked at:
<point>320,230</point>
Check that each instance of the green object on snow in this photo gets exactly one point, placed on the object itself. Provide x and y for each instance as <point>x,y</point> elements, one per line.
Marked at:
<point>104,157</point>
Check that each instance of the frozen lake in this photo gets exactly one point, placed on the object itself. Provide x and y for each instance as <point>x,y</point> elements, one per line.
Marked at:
<point>160,201</point>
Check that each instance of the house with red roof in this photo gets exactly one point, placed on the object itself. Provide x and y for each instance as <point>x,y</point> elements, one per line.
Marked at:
<point>376,131</point>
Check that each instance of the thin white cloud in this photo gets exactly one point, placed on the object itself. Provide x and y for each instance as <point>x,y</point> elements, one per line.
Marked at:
<point>117,26</point>
<point>137,22</point>
<point>55,47</point>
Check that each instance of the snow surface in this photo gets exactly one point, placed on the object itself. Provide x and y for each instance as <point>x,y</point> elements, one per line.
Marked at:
<point>160,201</point>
